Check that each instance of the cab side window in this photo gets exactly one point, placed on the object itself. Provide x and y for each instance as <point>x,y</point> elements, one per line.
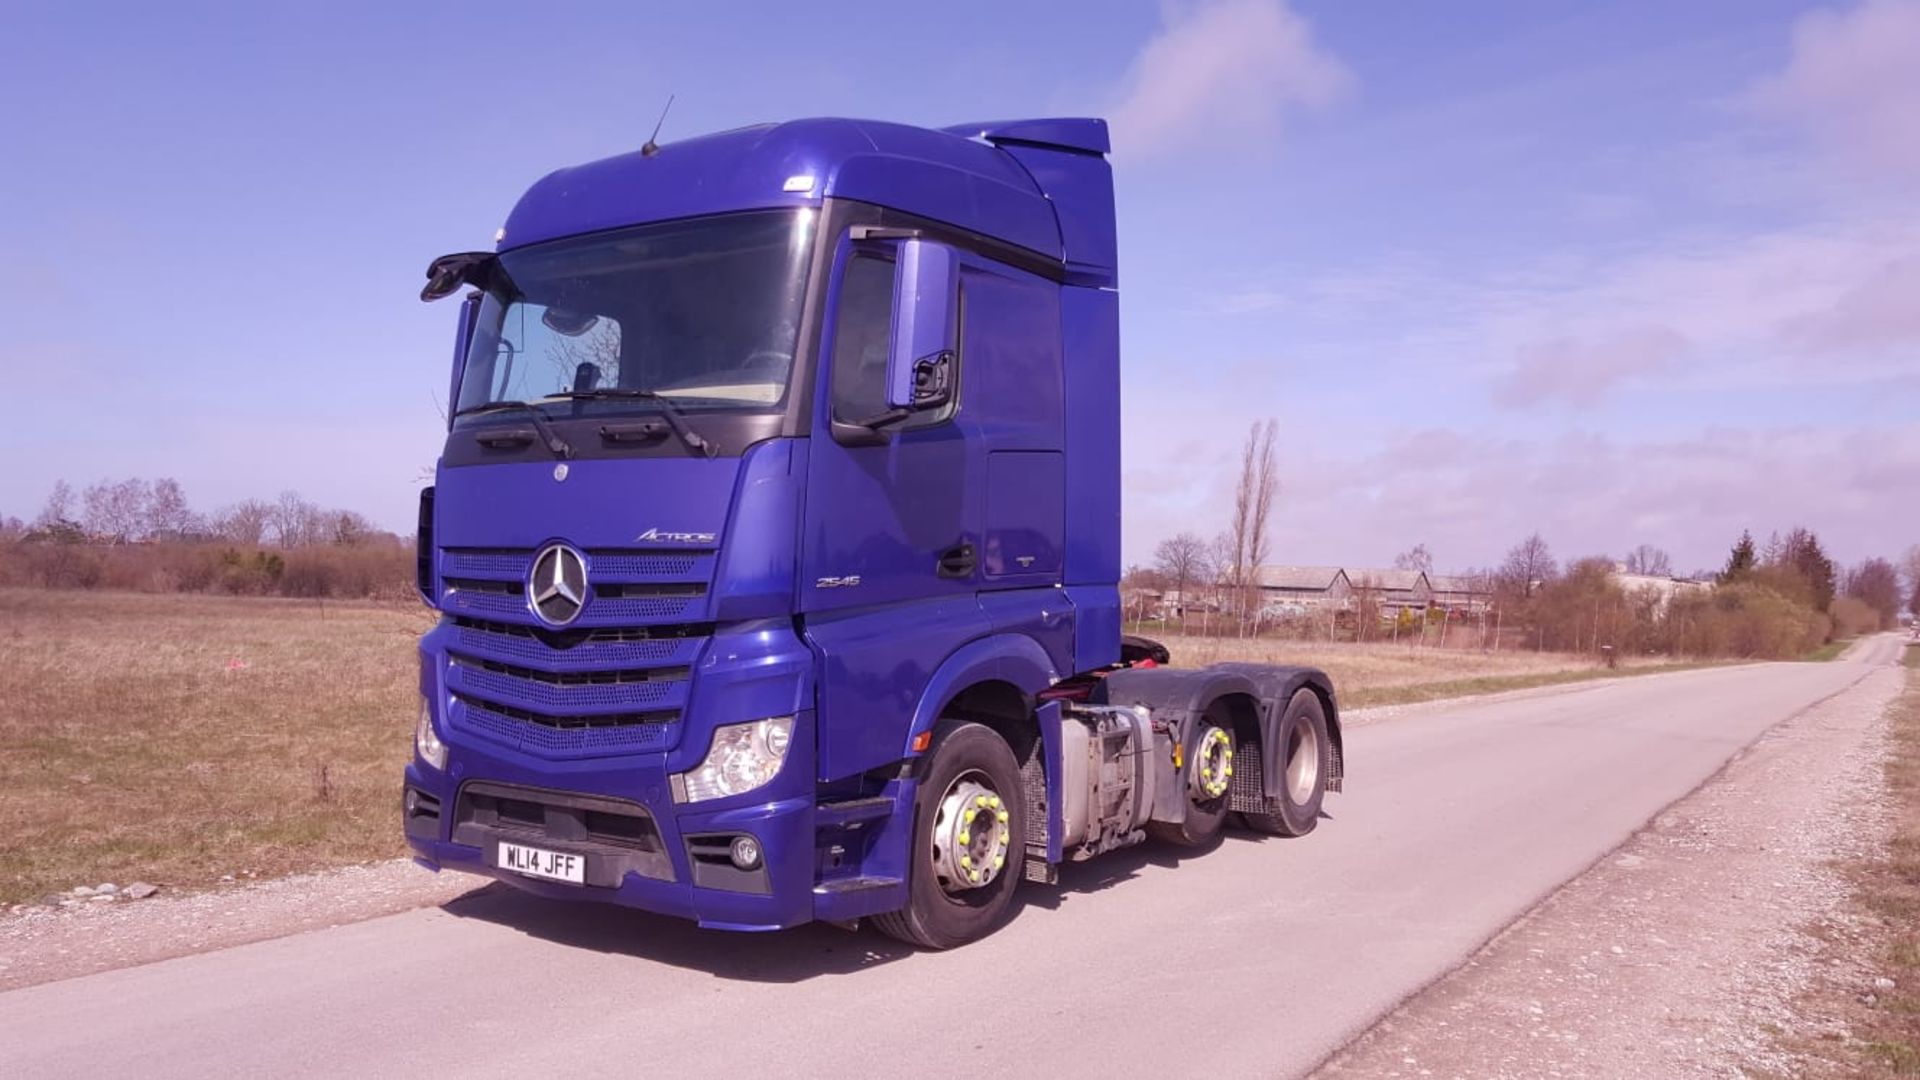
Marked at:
<point>862,332</point>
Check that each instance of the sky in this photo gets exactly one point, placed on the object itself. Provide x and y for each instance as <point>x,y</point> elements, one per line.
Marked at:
<point>1621,274</point>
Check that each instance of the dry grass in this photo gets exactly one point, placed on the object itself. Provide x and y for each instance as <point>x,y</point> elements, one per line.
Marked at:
<point>180,738</point>
<point>1379,673</point>
<point>1883,1024</point>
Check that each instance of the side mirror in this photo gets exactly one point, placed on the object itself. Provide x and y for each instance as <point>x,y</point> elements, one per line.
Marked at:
<point>462,339</point>
<point>920,360</point>
<point>447,273</point>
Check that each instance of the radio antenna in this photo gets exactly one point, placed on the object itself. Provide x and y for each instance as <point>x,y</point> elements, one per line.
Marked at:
<point>650,148</point>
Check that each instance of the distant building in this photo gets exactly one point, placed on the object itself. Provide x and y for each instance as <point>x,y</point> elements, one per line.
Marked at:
<point>1400,590</point>
<point>1663,588</point>
<point>1295,590</point>
<point>1472,594</point>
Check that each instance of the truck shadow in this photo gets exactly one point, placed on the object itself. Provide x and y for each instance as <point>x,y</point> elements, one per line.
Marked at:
<point>785,956</point>
<point>1114,868</point>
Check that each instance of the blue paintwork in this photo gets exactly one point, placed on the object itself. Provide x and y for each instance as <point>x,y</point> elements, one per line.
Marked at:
<point>1090,328</point>
<point>925,290</point>
<point>756,572</point>
<point>757,670</point>
<point>1026,517</point>
<point>1084,134</point>
<point>809,585</point>
<point>462,334</point>
<point>1010,658</point>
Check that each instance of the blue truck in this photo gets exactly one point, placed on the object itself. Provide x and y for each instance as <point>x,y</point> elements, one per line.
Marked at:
<point>776,545</point>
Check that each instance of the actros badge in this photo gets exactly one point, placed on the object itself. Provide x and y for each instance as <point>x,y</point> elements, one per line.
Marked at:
<point>662,536</point>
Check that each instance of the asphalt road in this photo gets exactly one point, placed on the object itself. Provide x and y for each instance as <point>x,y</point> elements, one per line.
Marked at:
<point>1258,958</point>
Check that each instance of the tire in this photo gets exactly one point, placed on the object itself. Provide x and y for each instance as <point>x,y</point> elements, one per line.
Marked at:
<point>1205,817</point>
<point>940,913</point>
<point>1306,757</point>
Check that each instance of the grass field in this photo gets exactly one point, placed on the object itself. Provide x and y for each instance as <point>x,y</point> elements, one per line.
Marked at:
<point>179,738</point>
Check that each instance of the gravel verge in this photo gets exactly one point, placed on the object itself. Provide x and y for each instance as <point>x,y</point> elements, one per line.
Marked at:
<point>41,943</point>
<point>1682,953</point>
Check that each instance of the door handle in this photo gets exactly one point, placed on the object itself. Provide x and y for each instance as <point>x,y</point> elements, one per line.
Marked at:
<point>957,562</point>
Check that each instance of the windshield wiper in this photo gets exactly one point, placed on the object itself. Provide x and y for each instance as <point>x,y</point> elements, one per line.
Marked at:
<point>550,438</point>
<point>676,419</point>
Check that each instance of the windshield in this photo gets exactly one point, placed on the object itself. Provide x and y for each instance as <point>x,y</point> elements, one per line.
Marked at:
<point>703,313</point>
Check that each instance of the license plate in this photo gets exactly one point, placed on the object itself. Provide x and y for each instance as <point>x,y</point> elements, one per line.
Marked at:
<point>552,865</point>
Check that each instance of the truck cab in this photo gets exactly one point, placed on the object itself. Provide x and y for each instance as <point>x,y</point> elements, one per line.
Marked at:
<point>775,541</point>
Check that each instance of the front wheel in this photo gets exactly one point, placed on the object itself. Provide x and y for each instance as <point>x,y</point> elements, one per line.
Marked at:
<point>1306,756</point>
<point>969,843</point>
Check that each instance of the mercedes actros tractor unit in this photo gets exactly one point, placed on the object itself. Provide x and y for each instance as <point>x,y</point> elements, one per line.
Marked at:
<point>776,545</point>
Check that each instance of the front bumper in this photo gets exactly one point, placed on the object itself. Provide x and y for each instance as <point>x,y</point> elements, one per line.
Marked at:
<point>674,865</point>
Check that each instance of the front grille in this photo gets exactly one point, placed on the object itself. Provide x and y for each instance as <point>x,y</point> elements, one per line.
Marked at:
<point>603,565</point>
<point>613,682</point>
<point>568,693</point>
<point>566,736</point>
<point>489,600</point>
<point>592,650</point>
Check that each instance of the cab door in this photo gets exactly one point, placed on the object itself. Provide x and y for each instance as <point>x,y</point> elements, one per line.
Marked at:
<point>891,546</point>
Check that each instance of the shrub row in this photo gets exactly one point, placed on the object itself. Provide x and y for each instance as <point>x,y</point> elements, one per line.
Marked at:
<point>381,572</point>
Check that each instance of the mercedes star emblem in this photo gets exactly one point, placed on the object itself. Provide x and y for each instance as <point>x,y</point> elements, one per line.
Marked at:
<point>557,586</point>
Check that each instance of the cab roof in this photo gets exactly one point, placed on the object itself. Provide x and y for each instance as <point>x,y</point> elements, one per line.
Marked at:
<point>1041,184</point>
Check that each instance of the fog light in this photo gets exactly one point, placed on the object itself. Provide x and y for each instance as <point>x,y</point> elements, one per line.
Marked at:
<point>745,852</point>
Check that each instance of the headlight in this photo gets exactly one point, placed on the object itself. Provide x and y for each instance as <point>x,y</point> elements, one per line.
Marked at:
<point>426,741</point>
<point>742,758</point>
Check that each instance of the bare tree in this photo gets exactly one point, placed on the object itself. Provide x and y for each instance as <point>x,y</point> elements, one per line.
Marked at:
<point>295,521</point>
<point>1180,560</point>
<point>167,514</point>
<point>348,528</point>
<point>1910,571</point>
<point>1876,583</point>
<point>116,512</point>
<point>1252,507</point>
<point>12,528</point>
<point>245,522</point>
<point>1366,607</point>
<point>597,348</point>
<point>1649,560</point>
<point>1416,557</point>
<point>1529,565</point>
<point>59,506</point>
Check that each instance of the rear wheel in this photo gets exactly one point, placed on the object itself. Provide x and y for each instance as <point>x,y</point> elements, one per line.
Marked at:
<point>1306,756</point>
<point>1209,774</point>
<point>969,843</point>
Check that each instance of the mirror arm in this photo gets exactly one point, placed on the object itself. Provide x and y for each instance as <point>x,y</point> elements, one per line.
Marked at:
<point>891,416</point>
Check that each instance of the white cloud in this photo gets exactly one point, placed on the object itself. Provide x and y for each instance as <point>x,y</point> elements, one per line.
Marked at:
<point>1854,80</point>
<point>1223,67</point>
<point>1582,371</point>
<point>1470,495</point>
